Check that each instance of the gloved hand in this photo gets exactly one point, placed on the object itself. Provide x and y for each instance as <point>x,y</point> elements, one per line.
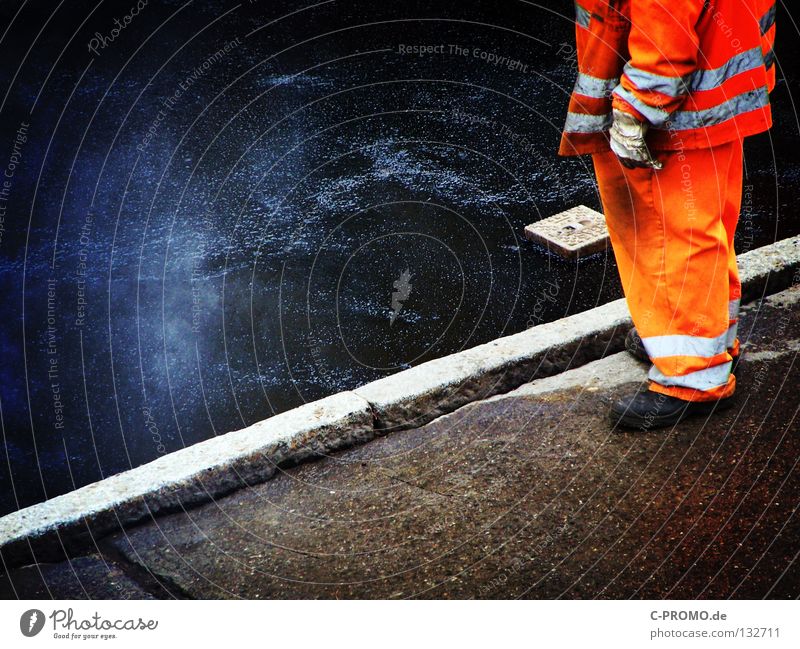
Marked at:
<point>627,141</point>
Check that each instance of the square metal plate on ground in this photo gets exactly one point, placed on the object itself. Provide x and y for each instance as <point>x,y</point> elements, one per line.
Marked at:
<point>577,232</point>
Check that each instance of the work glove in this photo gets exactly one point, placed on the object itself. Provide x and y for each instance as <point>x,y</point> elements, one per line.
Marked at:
<point>627,141</point>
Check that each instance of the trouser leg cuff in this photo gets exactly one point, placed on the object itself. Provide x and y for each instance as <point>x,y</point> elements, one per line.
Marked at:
<point>689,394</point>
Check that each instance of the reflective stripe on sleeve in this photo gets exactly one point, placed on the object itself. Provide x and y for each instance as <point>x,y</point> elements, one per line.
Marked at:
<point>706,379</point>
<point>583,123</point>
<point>594,87</point>
<point>582,16</point>
<point>698,80</point>
<point>654,115</point>
<point>742,62</point>
<point>672,86</point>
<point>690,119</point>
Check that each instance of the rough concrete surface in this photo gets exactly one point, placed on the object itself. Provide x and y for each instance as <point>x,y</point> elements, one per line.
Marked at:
<point>530,494</point>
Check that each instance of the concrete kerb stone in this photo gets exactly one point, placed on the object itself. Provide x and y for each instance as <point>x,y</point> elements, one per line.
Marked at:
<point>408,399</point>
<point>770,269</point>
<point>417,396</point>
<point>190,476</point>
<point>609,372</point>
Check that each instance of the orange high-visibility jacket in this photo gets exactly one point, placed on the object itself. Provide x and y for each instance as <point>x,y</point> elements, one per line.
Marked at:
<point>699,72</point>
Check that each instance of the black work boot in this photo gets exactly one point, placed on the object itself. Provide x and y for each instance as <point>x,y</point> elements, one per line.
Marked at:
<point>646,410</point>
<point>635,347</point>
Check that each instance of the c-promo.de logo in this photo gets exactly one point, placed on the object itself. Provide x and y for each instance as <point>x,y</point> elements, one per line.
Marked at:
<point>31,622</point>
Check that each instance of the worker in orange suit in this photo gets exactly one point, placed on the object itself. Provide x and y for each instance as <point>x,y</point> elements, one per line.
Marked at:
<point>666,92</point>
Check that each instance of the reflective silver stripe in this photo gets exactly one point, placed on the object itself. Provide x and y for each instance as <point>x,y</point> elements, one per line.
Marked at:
<point>767,20</point>
<point>582,16</point>
<point>769,58</point>
<point>731,337</point>
<point>698,80</point>
<point>590,86</point>
<point>655,116</point>
<point>582,123</point>
<point>709,79</point>
<point>689,119</point>
<point>672,86</point>
<point>682,345</point>
<point>707,379</point>
<point>733,309</point>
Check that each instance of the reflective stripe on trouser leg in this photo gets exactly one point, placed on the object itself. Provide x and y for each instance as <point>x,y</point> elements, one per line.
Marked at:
<point>673,255</point>
<point>706,379</point>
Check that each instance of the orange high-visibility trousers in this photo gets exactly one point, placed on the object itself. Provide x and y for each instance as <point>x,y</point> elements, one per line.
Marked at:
<point>672,233</point>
